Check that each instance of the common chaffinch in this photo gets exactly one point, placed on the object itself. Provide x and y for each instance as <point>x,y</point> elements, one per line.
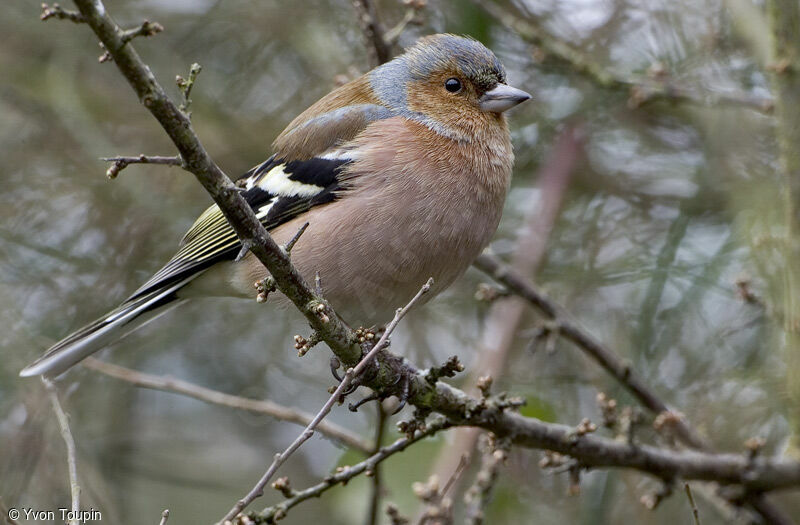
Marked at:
<point>401,175</point>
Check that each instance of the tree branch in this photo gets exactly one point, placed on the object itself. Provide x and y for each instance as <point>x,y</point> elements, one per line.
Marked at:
<point>572,331</point>
<point>344,475</point>
<point>177,386</point>
<point>120,163</point>
<point>338,395</point>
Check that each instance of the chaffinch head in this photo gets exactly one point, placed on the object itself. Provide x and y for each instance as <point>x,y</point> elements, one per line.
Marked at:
<point>401,175</point>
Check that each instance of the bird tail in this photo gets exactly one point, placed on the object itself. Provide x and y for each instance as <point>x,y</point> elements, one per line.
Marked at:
<point>130,315</point>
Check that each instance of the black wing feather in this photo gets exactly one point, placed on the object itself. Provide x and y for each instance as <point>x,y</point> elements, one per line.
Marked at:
<point>278,191</point>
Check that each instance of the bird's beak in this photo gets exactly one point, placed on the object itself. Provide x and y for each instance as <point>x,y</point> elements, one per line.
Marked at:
<point>502,97</point>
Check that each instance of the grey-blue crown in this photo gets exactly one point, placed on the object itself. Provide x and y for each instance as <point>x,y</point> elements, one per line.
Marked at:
<point>473,59</point>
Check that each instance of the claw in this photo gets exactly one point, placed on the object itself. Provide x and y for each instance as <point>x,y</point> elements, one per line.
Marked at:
<point>350,389</point>
<point>404,394</point>
<point>353,407</point>
<point>335,364</point>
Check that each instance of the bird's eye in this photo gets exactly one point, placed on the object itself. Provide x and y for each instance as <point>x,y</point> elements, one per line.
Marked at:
<point>453,85</point>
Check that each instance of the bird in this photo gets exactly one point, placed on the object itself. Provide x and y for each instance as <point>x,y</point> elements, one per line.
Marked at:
<point>401,175</point>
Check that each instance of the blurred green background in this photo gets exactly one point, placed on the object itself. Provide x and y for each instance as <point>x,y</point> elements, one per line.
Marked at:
<point>669,206</point>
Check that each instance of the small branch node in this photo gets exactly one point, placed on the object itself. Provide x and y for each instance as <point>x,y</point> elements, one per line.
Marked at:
<point>485,385</point>
<point>630,418</point>
<point>487,293</point>
<point>120,163</point>
<point>247,245</point>
<point>668,423</point>
<point>415,424</point>
<point>264,287</point>
<point>653,500</point>
<point>552,460</point>
<point>754,446</point>
<point>365,335</point>
<point>303,345</point>
<point>608,408</point>
<point>56,11</point>
<point>283,486</point>
<point>585,427</point>
<point>395,516</point>
<point>186,85</point>
<point>546,334</point>
<point>450,368</point>
<point>147,28</point>
<point>289,245</point>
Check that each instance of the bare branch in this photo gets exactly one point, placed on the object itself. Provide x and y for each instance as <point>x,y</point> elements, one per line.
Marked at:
<point>120,163</point>
<point>266,407</point>
<point>695,512</point>
<point>147,28</point>
<point>572,331</point>
<point>186,85</point>
<point>478,496</point>
<point>345,474</point>
<point>56,11</point>
<point>66,434</point>
<point>338,394</point>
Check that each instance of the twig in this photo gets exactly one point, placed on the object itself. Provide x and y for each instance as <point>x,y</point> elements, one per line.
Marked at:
<point>177,386</point>
<point>350,375</point>
<point>477,497</point>
<point>120,163</point>
<point>695,512</point>
<point>55,11</point>
<point>345,474</point>
<point>147,28</point>
<point>640,89</point>
<point>186,85</point>
<point>66,434</point>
